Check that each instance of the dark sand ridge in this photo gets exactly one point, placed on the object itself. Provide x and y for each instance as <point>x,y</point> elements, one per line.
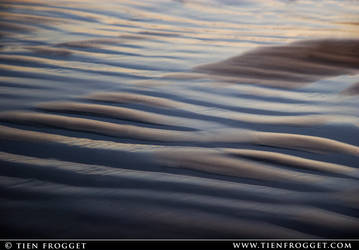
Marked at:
<point>293,120</point>
<point>14,28</point>
<point>193,221</point>
<point>31,18</point>
<point>294,161</point>
<point>226,135</point>
<point>123,113</point>
<point>108,176</point>
<point>212,162</point>
<point>48,51</point>
<point>289,66</point>
<point>153,118</point>
<point>353,90</point>
<point>94,43</point>
<point>194,157</point>
<point>16,134</point>
<point>23,63</point>
<point>121,97</point>
<point>80,146</point>
<point>298,213</point>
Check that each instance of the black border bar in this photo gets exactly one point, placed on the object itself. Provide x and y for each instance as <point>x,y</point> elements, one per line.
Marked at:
<point>111,244</point>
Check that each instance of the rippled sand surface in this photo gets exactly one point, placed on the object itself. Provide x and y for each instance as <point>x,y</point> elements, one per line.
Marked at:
<point>179,119</point>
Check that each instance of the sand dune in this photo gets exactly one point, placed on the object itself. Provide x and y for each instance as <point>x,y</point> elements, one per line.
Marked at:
<point>289,66</point>
<point>353,90</point>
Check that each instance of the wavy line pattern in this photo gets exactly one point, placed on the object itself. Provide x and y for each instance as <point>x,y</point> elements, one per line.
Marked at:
<point>179,119</point>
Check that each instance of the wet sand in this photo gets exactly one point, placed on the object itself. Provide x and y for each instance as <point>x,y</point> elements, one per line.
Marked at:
<point>179,119</point>
<point>290,66</point>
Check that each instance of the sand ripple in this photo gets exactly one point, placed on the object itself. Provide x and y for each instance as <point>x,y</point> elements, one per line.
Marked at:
<point>116,123</point>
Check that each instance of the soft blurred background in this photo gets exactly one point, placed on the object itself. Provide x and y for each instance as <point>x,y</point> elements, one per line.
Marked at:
<point>179,119</point>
